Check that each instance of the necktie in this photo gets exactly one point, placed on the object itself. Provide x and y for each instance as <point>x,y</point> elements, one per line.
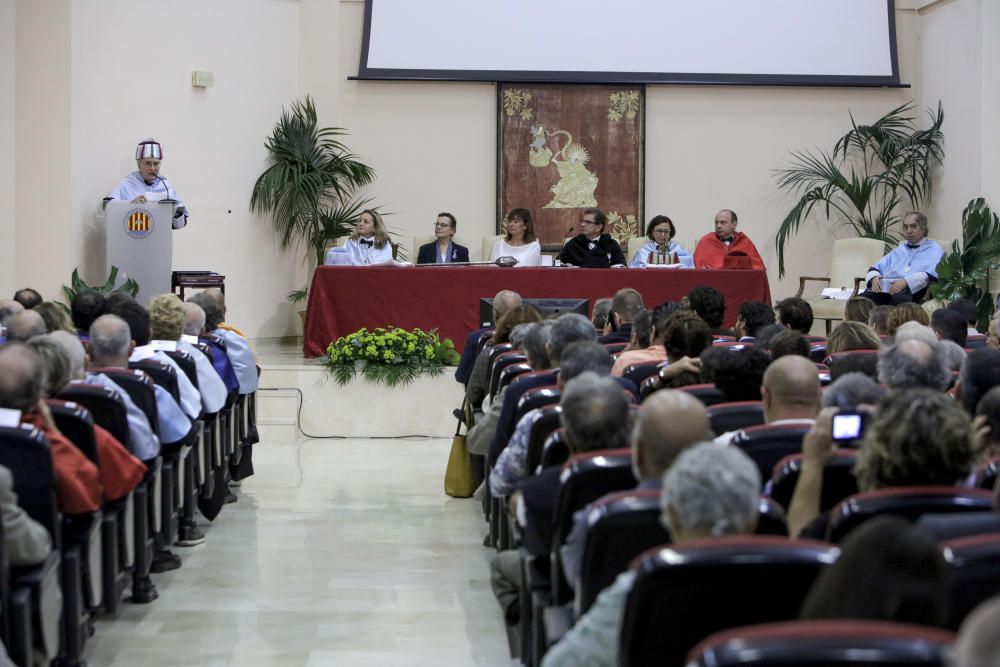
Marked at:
<point>367,242</point>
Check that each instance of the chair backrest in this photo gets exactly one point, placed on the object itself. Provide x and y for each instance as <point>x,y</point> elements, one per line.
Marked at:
<point>508,374</point>
<point>649,386</point>
<point>683,593</point>
<point>26,452</point>
<point>771,518</point>
<point>708,394</point>
<point>541,429</point>
<point>106,409</point>
<point>488,242</point>
<point>160,373</point>
<point>974,563</point>
<point>726,417</point>
<point>825,643</point>
<point>139,386</point>
<point>186,363</point>
<point>769,443</point>
<point>614,348</point>
<point>985,474</point>
<point>862,361</point>
<point>908,502</point>
<point>74,421</point>
<point>852,258</point>
<point>584,478</point>
<point>817,351</point>
<point>620,526</point>
<point>838,479</point>
<point>499,363</point>
<point>975,341</point>
<point>538,397</point>
<point>638,373</point>
<point>555,451</point>
<point>944,527</point>
<point>633,244</point>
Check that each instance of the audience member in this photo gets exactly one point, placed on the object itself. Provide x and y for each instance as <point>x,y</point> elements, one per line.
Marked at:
<point>950,325</point>
<point>237,347</point>
<point>479,380</point>
<point>766,336</point>
<point>978,643</point>
<point>686,337</point>
<point>919,437</point>
<point>906,312</point>
<point>851,390</point>
<point>725,241</point>
<point>850,335</point>
<point>790,342</point>
<point>980,373</point>
<point>753,316</point>
<point>879,319</point>
<point>9,308</point>
<point>87,306</point>
<point>28,297</point>
<point>24,326</point>
<point>903,275</point>
<point>655,351</point>
<point>858,309</point>
<point>602,315</point>
<point>667,424</point>
<point>502,302</point>
<point>888,570</point>
<point>708,492</point>
<point>55,317</point>
<point>790,394</point>
<point>988,415</point>
<point>625,307</point>
<point>738,373</point>
<point>710,304</point>
<point>194,327</point>
<point>912,363</point>
<point>25,541</point>
<point>952,356</point>
<point>969,313</point>
<point>796,314</point>
<point>78,487</point>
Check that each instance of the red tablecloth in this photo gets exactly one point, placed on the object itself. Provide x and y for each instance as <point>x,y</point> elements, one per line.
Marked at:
<point>342,299</point>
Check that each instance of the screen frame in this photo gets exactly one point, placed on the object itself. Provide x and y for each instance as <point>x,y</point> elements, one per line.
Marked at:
<point>366,73</point>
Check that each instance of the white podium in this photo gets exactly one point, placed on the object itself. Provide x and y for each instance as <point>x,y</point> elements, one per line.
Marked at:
<point>138,241</point>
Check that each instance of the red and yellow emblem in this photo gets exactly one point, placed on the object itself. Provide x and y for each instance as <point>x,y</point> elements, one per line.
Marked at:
<point>139,223</point>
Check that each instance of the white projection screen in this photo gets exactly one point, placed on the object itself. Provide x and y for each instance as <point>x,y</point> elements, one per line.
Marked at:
<point>770,42</point>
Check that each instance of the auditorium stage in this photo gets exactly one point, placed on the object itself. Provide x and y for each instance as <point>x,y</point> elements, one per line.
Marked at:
<point>298,395</point>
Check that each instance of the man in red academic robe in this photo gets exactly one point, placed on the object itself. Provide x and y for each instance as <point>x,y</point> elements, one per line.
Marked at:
<point>713,247</point>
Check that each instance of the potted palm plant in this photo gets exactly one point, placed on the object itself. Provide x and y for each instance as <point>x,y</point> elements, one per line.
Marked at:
<point>965,271</point>
<point>309,187</point>
<point>873,171</point>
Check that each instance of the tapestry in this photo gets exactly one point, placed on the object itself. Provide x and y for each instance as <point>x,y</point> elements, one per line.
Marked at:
<point>566,147</point>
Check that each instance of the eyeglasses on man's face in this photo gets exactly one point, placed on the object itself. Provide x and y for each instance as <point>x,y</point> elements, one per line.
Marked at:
<point>588,222</point>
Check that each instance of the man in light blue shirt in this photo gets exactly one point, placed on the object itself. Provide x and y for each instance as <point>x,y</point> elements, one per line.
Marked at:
<point>237,347</point>
<point>904,274</point>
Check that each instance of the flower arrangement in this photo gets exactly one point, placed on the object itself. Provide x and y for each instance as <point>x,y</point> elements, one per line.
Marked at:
<point>391,356</point>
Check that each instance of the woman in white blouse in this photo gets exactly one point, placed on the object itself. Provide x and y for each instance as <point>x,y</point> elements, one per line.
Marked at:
<point>519,240</point>
<point>369,244</point>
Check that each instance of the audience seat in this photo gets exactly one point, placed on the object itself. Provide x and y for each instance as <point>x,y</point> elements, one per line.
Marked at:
<point>615,348</point>
<point>539,397</point>
<point>908,502</point>
<point>508,374</point>
<point>974,563</point>
<point>771,518</point>
<point>825,643</point>
<point>708,394</point>
<point>838,479</point>
<point>767,444</point>
<point>975,341</point>
<point>726,417</point>
<point>817,350</point>
<point>683,593</point>
<point>541,431</point>
<point>639,373</point>
<point>985,474</point>
<point>944,527</point>
<point>15,612</point>
<point>555,450</point>
<point>498,363</point>
<point>649,386</point>
<point>861,361</point>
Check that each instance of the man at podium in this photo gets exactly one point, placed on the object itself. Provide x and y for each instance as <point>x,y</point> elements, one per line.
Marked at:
<point>146,184</point>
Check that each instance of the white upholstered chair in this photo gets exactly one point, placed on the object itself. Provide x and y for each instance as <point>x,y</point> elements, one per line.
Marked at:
<point>850,262</point>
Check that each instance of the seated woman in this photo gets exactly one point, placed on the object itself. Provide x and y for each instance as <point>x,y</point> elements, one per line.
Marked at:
<point>661,246</point>
<point>852,336</point>
<point>519,240</point>
<point>369,244</point>
<point>444,250</point>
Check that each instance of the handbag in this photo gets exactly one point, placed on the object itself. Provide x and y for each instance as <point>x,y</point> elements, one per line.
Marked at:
<point>459,477</point>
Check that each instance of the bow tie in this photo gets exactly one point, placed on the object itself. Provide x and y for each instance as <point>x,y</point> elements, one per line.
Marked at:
<point>729,240</point>
<point>913,246</point>
<point>591,245</point>
<point>367,242</point>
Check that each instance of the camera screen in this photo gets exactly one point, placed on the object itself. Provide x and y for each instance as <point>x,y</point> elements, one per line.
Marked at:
<point>846,427</point>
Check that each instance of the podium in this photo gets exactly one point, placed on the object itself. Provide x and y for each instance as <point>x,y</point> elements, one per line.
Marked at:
<point>138,241</point>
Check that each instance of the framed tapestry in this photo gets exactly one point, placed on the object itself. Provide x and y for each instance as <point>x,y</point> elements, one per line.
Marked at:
<point>565,147</point>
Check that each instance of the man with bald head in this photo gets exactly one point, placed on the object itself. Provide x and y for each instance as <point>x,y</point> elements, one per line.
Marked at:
<point>504,301</point>
<point>9,308</point>
<point>25,325</point>
<point>194,326</point>
<point>912,363</point>
<point>237,347</point>
<point>669,422</point>
<point>790,394</point>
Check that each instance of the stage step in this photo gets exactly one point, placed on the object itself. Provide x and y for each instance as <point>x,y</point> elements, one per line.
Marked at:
<point>277,415</point>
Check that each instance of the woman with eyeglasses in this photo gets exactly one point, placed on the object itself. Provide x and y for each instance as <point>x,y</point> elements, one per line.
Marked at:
<point>444,250</point>
<point>519,240</point>
<point>592,248</point>
<point>661,248</point>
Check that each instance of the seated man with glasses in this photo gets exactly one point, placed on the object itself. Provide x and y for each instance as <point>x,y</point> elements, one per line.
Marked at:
<point>444,250</point>
<point>592,248</point>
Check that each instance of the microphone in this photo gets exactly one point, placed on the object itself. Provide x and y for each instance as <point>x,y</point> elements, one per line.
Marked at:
<point>569,232</point>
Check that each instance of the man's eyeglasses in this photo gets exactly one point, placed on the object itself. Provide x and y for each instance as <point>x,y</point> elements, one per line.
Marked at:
<point>588,222</point>
<point>441,224</point>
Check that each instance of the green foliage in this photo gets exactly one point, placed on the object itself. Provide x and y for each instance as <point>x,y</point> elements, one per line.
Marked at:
<point>965,271</point>
<point>309,186</point>
<point>392,356</point>
<point>297,296</point>
<point>130,286</point>
<point>872,171</point>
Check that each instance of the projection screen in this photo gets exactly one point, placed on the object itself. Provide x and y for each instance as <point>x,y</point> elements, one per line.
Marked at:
<point>773,42</point>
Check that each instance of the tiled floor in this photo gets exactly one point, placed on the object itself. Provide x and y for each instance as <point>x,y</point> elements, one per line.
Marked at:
<point>339,552</point>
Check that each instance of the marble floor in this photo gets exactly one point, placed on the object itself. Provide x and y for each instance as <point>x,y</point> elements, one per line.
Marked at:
<point>339,552</point>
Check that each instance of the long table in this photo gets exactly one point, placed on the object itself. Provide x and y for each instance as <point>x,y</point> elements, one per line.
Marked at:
<point>342,299</point>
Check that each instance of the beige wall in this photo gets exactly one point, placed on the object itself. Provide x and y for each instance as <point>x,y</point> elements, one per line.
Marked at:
<point>7,113</point>
<point>97,86</point>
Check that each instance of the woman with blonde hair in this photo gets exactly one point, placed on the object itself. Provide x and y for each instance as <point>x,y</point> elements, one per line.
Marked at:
<point>369,244</point>
<point>907,312</point>
<point>852,336</point>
